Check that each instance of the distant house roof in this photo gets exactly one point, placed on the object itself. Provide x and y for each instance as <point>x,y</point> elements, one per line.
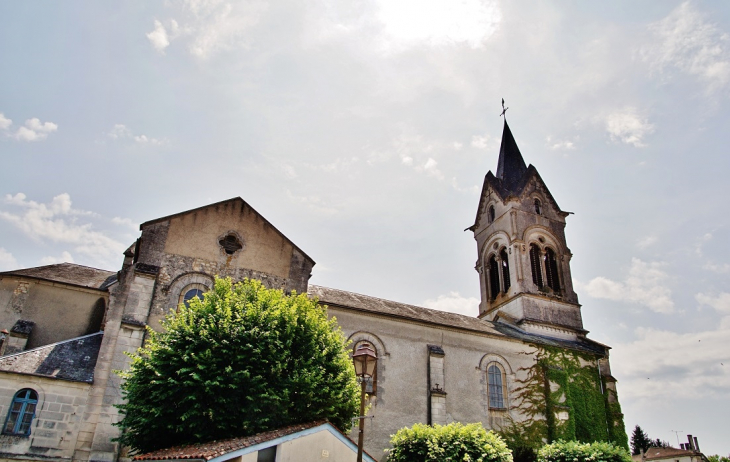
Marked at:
<point>368,304</point>
<point>668,453</point>
<point>68,273</point>
<point>72,360</point>
<point>232,447</point>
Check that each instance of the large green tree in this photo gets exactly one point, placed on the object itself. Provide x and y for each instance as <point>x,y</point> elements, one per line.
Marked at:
<point>243,360</point>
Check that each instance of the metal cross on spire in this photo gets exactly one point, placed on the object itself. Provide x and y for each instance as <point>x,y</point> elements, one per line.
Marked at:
<point>504,110</point>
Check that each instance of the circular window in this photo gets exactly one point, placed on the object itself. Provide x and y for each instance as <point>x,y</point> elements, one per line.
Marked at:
<point>230,244</point>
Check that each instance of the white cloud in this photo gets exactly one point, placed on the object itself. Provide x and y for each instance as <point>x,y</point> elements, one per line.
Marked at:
<point>559,145</point>
<point>7,260</point>
<point>431,168</point>
<point>721,303</point>
<point>5,123</point>
<point>645,285</point>
<point>34,129</point>
<point>454,303</point>
<point>56,221</point>
<point>64,258</point>
<point>121,132</point>
<point>627,126</point>
<point>314,203</point>
<point>723,268</point>
<point>124,222</point>
<point>647,241</point>
<point>409,23</point>
<point>211,26</point>
<point>158,37</point>
<point>407,160</point>
<point>663,366</point>
<point>684,40</point>
<point>480,142</point>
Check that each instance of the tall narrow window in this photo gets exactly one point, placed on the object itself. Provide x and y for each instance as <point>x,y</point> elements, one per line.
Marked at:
<point>495,378</point>
<point>505,269</point>
<point>22,411</point>
<point>536,265</point>
<point>551,270</point>
<point>493,277</point>
<point>491,213</point>
<point>538,207</point>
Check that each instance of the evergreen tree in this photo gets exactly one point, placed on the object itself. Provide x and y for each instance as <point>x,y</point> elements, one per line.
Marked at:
<point>640,441</point>
<point>243,360</point>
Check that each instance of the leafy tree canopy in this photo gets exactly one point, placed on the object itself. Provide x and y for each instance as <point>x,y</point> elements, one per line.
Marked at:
<point>243,360</point>
<point>574,451</point>
<point>457,442</point>
<point>716,458</point>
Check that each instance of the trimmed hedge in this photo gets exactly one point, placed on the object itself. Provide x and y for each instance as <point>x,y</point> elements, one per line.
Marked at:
<point>573,451</point>
<point>453,442</point>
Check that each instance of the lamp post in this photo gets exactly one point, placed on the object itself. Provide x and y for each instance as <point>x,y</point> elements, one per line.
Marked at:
<point>365,361</point>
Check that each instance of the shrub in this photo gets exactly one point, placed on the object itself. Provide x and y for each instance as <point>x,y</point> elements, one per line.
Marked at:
<point>573,451</point>
<point>453,442</point>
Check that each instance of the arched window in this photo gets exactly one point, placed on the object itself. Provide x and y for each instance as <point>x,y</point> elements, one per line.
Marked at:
<point>551,270</point>
<point>538,207</point>
<point>22,411</point>
<point>371,386</point>
<point>190,292</point>
<point>497,392</point>
<point>491,213</point>
<point>505,269</point>
<point>493,277</point>
<point>536,265</point>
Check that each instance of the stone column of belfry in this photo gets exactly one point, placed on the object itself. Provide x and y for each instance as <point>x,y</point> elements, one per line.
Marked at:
<point>437,386</point>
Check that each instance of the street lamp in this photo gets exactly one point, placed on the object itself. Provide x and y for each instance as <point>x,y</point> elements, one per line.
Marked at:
<point>365,361</point>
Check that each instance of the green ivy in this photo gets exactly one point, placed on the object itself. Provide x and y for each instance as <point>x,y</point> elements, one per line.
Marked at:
<point>577,388</point>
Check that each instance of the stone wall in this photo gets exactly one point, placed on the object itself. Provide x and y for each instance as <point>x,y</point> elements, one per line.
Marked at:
<point>60,311</point>
<point>56,429</point>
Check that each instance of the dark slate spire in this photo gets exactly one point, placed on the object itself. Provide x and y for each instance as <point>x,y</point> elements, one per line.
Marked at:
<point>511,167</point>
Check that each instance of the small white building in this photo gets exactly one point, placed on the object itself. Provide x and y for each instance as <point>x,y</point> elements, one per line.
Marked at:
<point>311,442</point>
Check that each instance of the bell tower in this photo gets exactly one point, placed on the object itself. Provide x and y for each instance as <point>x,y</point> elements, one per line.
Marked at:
<point>523,260</point>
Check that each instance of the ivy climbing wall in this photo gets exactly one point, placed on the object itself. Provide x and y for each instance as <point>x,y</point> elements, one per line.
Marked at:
<point>564,396</point>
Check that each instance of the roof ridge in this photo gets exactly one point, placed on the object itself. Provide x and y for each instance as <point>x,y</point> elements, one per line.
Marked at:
<point>57,264</point>
<point>101,332</point>
<point>405,304</point>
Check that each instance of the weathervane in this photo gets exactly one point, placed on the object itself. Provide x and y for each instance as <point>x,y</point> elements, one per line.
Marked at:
<point>504,110</point>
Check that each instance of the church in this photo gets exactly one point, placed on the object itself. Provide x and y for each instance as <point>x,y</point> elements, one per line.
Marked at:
<point>522,364</point>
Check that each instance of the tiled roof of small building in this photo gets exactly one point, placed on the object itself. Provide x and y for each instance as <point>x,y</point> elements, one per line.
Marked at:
<point>666,453</point>
<point>72,360</point>
<point>68,273</point>
<point>213,449</point>
<point>366,303</point>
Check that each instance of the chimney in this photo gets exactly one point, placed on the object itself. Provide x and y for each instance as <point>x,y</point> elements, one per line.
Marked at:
<point>681,445</point>
<point>691,444</point>
<point>697,445</point>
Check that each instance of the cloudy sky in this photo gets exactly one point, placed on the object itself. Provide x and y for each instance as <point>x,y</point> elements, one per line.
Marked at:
<point>363,130</point>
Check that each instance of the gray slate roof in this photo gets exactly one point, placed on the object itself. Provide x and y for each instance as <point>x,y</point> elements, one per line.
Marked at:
<point>72,360</point>
<point>68,273</point>
<point>365,303</point>
<point>341,298</point>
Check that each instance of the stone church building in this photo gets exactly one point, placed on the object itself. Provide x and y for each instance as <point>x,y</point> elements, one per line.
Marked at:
<point>66,327</point>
